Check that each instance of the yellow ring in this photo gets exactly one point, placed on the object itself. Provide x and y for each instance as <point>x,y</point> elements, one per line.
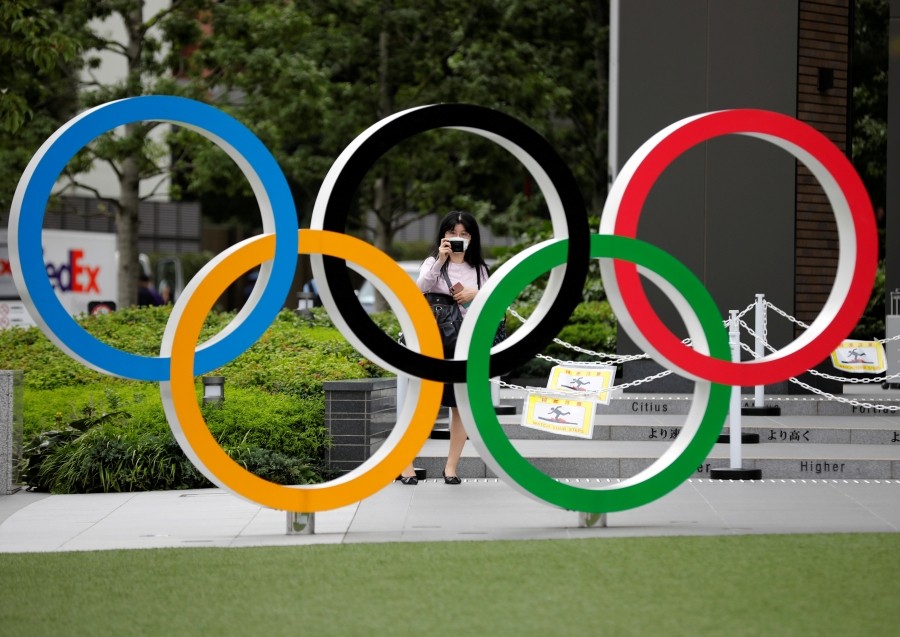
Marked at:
<point>362,481</point>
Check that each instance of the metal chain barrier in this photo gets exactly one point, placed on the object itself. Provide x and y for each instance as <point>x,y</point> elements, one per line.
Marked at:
<point>615,358</point>
<point>840,399</point>
<point>824,394</point>
<point>814,372</point>
<point>556,392</point>
<point>753,335</point>
<point>620,358</point>
<point>863,381</point>
<point>787,316</point>
<point>743,312</point>
<point>805,326</point>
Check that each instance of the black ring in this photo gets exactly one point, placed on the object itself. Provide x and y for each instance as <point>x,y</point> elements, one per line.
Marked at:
<point>343,192</point>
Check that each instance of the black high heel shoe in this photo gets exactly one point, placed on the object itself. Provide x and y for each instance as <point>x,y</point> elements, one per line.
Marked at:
<point>450,479</point>
<point>410,480</point>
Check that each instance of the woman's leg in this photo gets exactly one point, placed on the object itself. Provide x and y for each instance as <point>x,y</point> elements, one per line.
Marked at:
<point>457,442</point>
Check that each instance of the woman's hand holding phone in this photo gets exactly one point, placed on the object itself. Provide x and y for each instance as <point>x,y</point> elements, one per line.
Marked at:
<point>462,294</point>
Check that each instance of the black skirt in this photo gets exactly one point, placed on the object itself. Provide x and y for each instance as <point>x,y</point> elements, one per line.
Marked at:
<point>449,398</point>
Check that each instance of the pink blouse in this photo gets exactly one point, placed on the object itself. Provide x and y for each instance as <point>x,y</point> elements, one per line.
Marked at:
<point>431,280</point>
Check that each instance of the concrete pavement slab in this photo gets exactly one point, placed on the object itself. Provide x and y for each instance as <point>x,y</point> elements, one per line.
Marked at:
<point>478,509</point>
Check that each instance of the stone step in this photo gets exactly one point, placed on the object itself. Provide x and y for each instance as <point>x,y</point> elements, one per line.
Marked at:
<point>623,459</point>
<point>802,430</point>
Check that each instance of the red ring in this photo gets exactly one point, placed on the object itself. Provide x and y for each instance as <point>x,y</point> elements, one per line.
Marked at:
<point>750,122</point>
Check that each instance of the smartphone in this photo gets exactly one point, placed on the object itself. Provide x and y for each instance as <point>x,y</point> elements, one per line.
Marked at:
<point>457,287</point>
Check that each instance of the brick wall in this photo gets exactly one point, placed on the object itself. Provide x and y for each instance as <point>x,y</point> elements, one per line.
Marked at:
<point>823,43</point>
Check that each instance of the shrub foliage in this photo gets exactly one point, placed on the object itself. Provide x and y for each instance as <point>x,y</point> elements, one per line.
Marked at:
<point>592,326</point>
<point>89,432</point>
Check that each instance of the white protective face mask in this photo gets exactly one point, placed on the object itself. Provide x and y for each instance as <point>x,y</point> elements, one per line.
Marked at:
<point>465,245</point>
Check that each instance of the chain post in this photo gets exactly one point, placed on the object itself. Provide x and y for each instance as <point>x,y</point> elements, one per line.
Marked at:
<point>736,471</point>
<point>734,416</point>
<point>760,324</point>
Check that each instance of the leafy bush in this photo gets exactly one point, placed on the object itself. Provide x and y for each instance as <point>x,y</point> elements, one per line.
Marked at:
<point>43,447</point>
<point>279,422</point>
<point>135,330</point>
<point>47,409</point>
<point>871,324</point>
<point>592,326</point>
<point>278,467</point>
<point>45,366</point>
<point>297,349</point>
<point>279,438</point>
<point>92,432</point>
<point>105,460</point>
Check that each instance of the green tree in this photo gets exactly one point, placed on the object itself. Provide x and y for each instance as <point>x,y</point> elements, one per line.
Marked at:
<point>252,65</point>
<point>869,74</point>
<point>152,54</point>
<point>308,76</point>
<point>51,52</point>
<point>38,89</point>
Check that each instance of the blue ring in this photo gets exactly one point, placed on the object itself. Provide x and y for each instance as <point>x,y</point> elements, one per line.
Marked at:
<point>211,123</point>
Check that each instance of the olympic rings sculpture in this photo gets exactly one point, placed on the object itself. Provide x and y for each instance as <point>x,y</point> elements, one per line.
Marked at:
<point>622,259</point>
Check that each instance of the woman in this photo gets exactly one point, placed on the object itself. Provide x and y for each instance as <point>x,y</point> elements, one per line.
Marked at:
<point>458,273</point>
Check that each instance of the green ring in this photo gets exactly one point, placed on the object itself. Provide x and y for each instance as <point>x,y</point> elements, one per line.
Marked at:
<point>476,391</point>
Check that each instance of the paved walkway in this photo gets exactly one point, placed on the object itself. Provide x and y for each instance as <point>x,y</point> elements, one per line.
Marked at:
<point>483,509</point>
<point>479,509</point>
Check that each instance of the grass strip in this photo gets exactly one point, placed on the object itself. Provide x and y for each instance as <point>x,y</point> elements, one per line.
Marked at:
<point>747,585</point>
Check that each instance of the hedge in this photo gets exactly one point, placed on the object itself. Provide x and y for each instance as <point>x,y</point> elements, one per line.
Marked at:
<point>86,431</point>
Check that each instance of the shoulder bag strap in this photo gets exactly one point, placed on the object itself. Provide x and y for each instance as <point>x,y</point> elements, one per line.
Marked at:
<point>446,277</point>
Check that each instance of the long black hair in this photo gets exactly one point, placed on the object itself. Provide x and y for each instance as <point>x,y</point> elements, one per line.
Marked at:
<point>473,254</point>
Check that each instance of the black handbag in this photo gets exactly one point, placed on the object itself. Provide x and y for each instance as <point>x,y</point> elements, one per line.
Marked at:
<point>449,318</point>
<point>446,315</point>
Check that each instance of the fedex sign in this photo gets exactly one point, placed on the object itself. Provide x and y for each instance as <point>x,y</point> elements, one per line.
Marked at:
<point>81,267</point>
<point>74,275</point>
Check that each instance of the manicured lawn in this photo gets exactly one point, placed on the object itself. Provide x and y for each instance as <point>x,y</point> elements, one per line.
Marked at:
<point>730,586</point>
